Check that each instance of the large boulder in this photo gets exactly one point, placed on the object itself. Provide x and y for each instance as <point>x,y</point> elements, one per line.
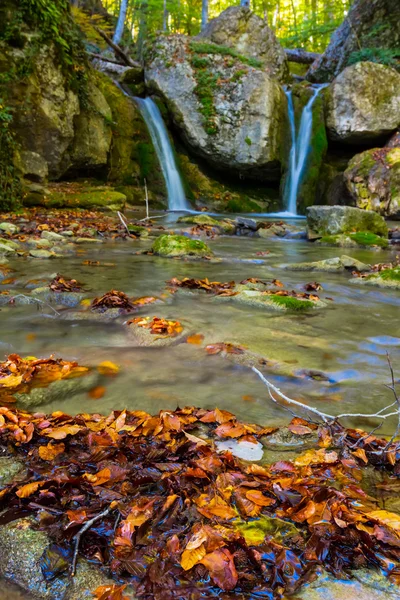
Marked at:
<point>334,220</point>
<point>371,27</point>
<point>373,180</point>
<point>228,112</point>
<point>239,28</point>
<point>363,103</point>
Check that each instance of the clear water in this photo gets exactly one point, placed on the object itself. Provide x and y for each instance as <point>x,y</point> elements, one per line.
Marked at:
<point>346,341</point>
<point>159,135</point>
<point>300,148</point>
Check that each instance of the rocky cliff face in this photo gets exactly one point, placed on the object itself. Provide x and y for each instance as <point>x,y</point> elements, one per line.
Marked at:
<point>370,27</point>
<point>227,109</point>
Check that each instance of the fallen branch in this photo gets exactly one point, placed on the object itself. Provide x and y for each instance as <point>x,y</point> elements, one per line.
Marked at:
<point>78,536</point>
<point>109,60</point>
<point>298,55</point>
<point>118,51</point>
<point>123,221</point>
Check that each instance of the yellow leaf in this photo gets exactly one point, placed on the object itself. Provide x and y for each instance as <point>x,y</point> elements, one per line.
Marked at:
<point>360,453</point>
<point>316,457</point>
<point>108,368</point>
<point>190,558</point>
<point>390,519</point>
<point>30,488</point>
<point>61,432</point>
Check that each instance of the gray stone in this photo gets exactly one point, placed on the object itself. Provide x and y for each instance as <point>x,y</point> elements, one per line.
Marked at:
<point>41,254</point>
<point>246,131</point>
<point>32,166</point>
<point>239,28</point>
<point>9,228</point>
<point>246,223</point>
<point>58,391</point>
<point>334,220</point>
<point>52,236</point>
<point>338,264</point>
<point>363,103</point>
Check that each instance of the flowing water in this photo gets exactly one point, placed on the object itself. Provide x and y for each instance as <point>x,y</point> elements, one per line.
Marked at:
<point>347,341</point>
<point>160,138</point>
<point>300,148</point>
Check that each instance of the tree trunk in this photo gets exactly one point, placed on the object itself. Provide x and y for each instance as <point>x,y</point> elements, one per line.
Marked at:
<point>119,30</point>
<point>204,14</point>
<point>298,55</point>
<point>165,16</point>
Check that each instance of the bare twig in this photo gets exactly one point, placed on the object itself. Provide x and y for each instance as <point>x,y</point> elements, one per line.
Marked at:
<point>109,60</point>
<point>118,51</point>
<point>147,199</point>
<point>38,301</point>
<point>78,536</point>
<point>396,401</point>
<point>123,221</point>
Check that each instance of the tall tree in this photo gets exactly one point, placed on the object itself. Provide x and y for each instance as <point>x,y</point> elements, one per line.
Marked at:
<point>204,13</point>
<point>119,30</point>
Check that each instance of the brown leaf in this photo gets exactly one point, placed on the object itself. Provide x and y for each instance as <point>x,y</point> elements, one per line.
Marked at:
<point>222,569</point>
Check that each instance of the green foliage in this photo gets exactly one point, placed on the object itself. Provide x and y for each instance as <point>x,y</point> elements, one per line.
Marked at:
<point>209,48</point>
<point>389,274</point>
<point>385,56</point>
<point>10,185</point>
<point>206,84</point>
<point>248,141</point>
<point>236,77</point>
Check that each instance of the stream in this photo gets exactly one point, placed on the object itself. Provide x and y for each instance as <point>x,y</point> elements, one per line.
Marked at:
<point>334,358</point>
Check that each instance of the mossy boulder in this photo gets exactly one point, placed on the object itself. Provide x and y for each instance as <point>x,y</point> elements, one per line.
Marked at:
<point>98,198</point>
<point>335,220</point>
<point>363,103</point>
<point>273,302</point>
<point>180,245</point>
<point>225,225</point>
<point>226,107</point>
<point>353,240</point>
<point>372,179</point>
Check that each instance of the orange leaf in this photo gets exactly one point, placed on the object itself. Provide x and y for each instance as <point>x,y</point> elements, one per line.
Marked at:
<point>195,339</point>
<point>61,432</point>
<point>258,498</point>
<point>97,392</point>
<point>30,488</point>
<point>190,558</point>
<point>110,592</point>
<point>108,368</point>
<point>360,453</point>
<point>50,451</point>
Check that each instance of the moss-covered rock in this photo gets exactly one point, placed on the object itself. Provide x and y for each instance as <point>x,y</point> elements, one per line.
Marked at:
<point>98,198</point>
<point>339,264</point>
<point>353,240</point>
<point>180,245</point>
<point>373,180</point>
<point>275,302</point>
<point>388,278</point>
<point>225,225</point>
<point>335,220</point>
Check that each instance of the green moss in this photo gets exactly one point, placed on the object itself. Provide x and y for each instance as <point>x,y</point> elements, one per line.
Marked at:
<point>180,245</point>
<point>10,185</point>
<point>92,199</point>
<point>248,141</point>
<point>291,303</point>
<point>364,238</point>
<point>199,220</point>
<point>206,84</point>
<point>209,48</point>
<point>242,204</point>
<point>385,56</point>
<point>390,274</point>
<point>238,75</point>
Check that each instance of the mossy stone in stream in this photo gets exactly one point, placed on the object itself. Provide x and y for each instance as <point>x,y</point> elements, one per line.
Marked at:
<point>389,278</point>
<point>58,391</point>
<point>291,303</point>
<point>180,245</point>
<point>226,225</point>
<point>273,301</point>
<point>102,198</point>
<point>352,240</point>
<point>138,230</point>
<point>338,264</point>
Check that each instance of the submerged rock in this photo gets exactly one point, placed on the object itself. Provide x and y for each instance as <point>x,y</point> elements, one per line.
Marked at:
<point>339,264</point>
<point>58,391</point>
<point>334,220</point>
<point>228,111</point>
<point>363,103</point>
<point>239,28</point>
<point>372,179</point>
<point>274,301</point>
<point>179,245</point>
<point>388,278</point>
<point>354,240</point>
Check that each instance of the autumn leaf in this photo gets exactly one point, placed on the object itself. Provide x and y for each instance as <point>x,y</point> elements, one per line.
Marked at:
<point>316,457</point>
<point>195,339</point>
<point>258,498</point>
<point>222,569</point>
<point>61,433</point>
<point>50,451</point>
<point>108,368</point>
<point>30,488</point>
<point>190,557</point>
<point>360,453</point>
<point>97,392</point>
<point>110,592</point>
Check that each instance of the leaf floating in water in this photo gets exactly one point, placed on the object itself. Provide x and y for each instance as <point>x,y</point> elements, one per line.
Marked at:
<point>61,284</point>
<point>196,339</point>
<point>158,326</point>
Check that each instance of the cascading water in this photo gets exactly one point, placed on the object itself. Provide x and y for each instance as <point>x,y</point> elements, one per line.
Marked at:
<point>300,148</point>
<point>162,145</point>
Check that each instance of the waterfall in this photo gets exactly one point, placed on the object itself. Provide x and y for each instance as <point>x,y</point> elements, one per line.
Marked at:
<point>162,145</point>
<point>300,148</point>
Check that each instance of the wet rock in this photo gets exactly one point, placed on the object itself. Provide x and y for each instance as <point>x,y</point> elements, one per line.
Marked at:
<point>141,336</point>
<point>365,585</point>
<point>41,254</point>
<point>10,468</point>
<point>39,243</point>
<point>388,278</point>
<point>333,220</point>
<point>284,439</point>
<point>9,228</point>
<point>226,225</point>
<point>363,103</point>
<point>58,391</point>
<point>339,264</point>
<point>6,249</point>
<point>239,28</point>
<point>273,231</point>
<point>32,166</point>
<point>84,240</point>
<point>51,236</point>
<point>21,550</point>
<point>274,301</point>
<point>70,299</point>
<point>179,245</point>
<point>244,223</point>
<point>139,231</point>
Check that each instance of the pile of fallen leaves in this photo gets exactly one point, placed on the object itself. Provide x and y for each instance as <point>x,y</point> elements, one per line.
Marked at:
<point>22,374</point>
<point>210,287</point>
<point>292,294</point>
<point>113,299</point>
<point>176,519</point>
<point>61,284</point>
<point>158,326</point>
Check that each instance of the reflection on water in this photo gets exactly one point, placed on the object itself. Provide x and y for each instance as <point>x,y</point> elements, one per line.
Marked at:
<point>347,341</point>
